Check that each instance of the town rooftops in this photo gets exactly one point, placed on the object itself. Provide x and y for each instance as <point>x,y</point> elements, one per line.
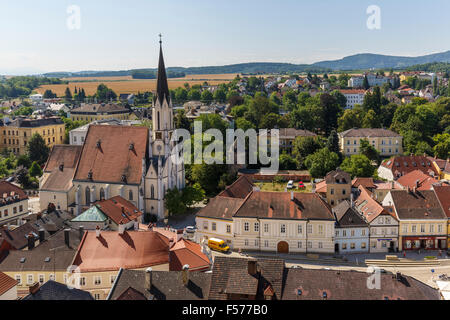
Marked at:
<point>417,205</point>
<point>187,252</point>
<point>348,217</point>
<point>165,285</point>
<point>368,206</point>
<point>337,176</point>
<point>6,283</point>
<point>119,210</point>
<point>402,165</point>
<point>112,250</point>
<point>9,190</point>
<point>237,276</point>
<point>113,154</point>
<point>52,254</point>
<point>238,189</point>
<point>221,207</point>
<point>35,123</point>
<point>316,284</point>
<point>368,133</point>
<point>109,108</point>
<point>443,195</point>
<point>93,214</point>
<point>417,179</point>
<point>278,205</point>
<point>366,182</point>
<point>52,290</point>
<point>352,91</point>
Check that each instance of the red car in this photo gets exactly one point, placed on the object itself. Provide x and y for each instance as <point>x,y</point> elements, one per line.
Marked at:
<point>301,185</point>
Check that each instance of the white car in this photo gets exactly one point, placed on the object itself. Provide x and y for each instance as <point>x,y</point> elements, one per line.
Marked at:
<point>190,229</point>
<point>290,184</point>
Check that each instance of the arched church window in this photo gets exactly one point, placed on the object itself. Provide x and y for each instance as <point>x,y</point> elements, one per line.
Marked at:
<point>159,124</point>
<point>88,196</point>
<point>130,195</point>
<point>152,192</point>
<point>102,194</point>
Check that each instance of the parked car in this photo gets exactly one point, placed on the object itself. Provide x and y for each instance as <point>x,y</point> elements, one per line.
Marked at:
<point>301,185</point>
<point>218,245</point>
<point>290,184</point>
<point>190,229</point>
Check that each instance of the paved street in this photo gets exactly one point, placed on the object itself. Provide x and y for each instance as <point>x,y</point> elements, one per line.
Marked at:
<point>33,205</point>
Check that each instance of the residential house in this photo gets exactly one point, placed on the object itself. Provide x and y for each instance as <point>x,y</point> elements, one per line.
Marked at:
<point>13,203</point>
<point>352,231</point>
<point>16,134</point>
<point>423,222</point>
<point>443,195</point>
<point>336,186</point>
<point>442,168</point>
<point>91,112</point>
<point>8,287</point>
<point>354,97</point>
<point>395,167</point>
<point>52,290</point>
<point>160,285</point>
<point>386,142</point>
<point>417,179</point>
<point>383,224</point>
<point>287,137</point>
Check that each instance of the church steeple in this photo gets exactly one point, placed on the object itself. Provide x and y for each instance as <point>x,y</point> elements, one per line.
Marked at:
<point>162,87</point>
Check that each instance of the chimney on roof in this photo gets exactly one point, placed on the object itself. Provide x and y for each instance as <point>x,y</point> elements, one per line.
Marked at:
<point>417,183</point>
<point>179,234</point>
<point>34,288</point>
<point>148,278</point>
<point>252,267</point>
<point>121,227</point>
<point>61,167</point>
<point>31,240</point>
<point>136,224</point>
<point>81,231</point>
<point>97,232</point>
<point>41,235</point>
<point>67,237</point>
<point>392,184</point>
<point>185,274</point>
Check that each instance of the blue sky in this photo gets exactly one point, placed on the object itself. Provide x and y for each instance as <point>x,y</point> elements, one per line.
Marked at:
<point>118,34</point>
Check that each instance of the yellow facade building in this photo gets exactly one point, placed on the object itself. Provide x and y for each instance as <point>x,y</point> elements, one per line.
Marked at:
<point>386,142</point>
<point>92,112</point>
<point>16,134</point>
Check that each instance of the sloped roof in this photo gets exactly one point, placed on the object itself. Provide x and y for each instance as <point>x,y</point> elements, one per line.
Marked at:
<point>187,252</point>
<point>417,177</point>
<point>278,205</point>
<point>52,290</point>
<point>131,294</point>
<point>6,283</point>
<point>119,209</point>
<point>346,216</point>
<point>93,214</point>
<point>443,195</point>
<point>417,205</point>
<point>310,284</point>
<point>112,251</point>
<point>220,208</point>
<point>402,165</point>
<point>238,189</point>
<point>369,133</point>
<point>100,108</point>
<point>10,189</point>
<point>368,206</point>
<point>366,182</point>
<point>336,176</point>
<point>166,285</point>
<point>120,153</point>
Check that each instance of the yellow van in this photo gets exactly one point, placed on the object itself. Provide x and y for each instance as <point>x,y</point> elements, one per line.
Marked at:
<point>218,245</point>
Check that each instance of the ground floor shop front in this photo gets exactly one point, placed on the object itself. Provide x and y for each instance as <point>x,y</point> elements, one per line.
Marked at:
<point>425,243</point>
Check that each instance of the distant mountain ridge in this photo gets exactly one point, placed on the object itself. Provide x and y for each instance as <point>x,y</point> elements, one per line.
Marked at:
<point>362,61</point>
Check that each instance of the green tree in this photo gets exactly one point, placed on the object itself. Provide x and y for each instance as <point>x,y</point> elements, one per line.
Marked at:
<point>305,146</point>
<point>369,151</point>
<point>35,170</point>
<point>68,94</point>
<point>370,120</point>
<point>194,95</point>
<point>192,195</point>
<point>358,165</point>
<point>366,83</point>
<point>206,96</point>
<point>23,161</point>
<point>442,146</point>
<point>105,94</point>
<point>173,201</point>
<point>37,149</point>
<point>270,121</point>
<point>220,95</point>
<point>321,162</point>
<point>244,124</point>
<point>23,178</point>
<point>181,94</point>
<point>181,121</point>
<point>333,142</point>
<point>287,162</point>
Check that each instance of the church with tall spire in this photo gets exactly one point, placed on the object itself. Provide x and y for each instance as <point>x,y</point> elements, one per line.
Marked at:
<point>162,173</point>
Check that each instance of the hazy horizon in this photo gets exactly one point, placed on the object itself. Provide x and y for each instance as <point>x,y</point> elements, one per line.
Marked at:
<point>114,35</point>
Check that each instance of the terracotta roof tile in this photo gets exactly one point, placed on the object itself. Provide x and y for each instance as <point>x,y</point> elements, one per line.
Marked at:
<point>187,252</point>
<point>221,208</point>
<point>6,283</point>
<point>119,210</point>
<point>369,207</point>
<point>113,152</point>
<point>238,189</point>
<point>402,165</point>
<point>417,179</point>
<point>443,195</point>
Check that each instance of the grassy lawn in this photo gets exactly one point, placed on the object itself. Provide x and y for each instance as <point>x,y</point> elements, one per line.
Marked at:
<point>273,186</point>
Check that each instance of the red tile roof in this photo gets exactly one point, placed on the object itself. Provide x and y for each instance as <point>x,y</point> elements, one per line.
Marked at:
<point>443,195</point>
<point>119,210</point>
<point>113,152</point>
<point>6,283</point>
<point>417,205</point>
<point>402,165</point>
<point>187,252</point>
<point>238,189</point>
<point>10,190</point>
<point>366,182</point>
<point>417,179</point>
<point>369,207</point>
<point>112,251</point>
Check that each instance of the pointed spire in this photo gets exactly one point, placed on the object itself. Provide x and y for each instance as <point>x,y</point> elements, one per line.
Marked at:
<point>162,87</point>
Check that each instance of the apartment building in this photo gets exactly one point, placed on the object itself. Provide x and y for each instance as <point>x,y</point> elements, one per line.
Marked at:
<point>354,97</point>
<point>92,112</point>
<point>15,135</point>
<point>386,142</point>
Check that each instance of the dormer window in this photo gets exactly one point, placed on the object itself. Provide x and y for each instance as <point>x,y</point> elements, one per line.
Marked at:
<point>90,175</point>
<point>123,178</point>
<point>131,147</point>
<point>99,143</point>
